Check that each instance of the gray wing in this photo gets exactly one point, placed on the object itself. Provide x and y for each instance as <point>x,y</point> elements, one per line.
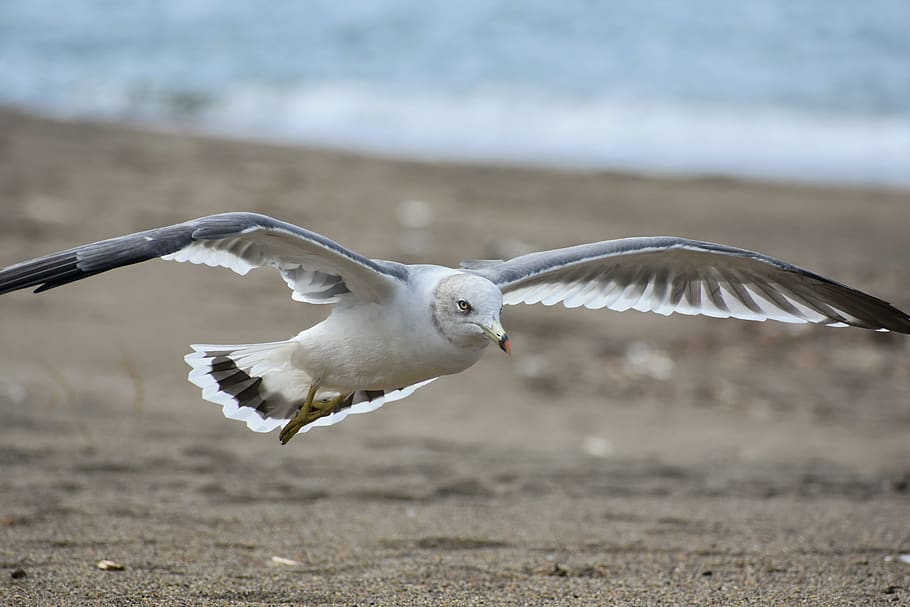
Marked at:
<point>667,275</point>
<point>317,269</point>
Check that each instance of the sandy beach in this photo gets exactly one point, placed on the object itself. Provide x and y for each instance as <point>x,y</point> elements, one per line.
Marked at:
<point>614,459</point>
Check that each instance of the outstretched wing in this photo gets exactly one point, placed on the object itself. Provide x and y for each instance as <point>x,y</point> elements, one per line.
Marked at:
<point>317,269</point>
<point>667,275</point>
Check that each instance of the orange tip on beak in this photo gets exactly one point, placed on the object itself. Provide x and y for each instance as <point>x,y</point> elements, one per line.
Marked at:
<point>505,345</point>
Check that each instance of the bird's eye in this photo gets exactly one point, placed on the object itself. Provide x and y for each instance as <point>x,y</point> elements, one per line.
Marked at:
<point>463,305</point>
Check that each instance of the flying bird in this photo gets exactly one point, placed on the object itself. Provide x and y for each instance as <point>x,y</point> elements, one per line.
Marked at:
<point>396,327</point>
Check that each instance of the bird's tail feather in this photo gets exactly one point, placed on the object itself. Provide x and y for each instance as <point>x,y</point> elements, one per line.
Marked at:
<point>254,383</point>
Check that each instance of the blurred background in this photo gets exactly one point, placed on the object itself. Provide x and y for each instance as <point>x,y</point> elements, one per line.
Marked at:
<point>814,90</point>
<point>615,458</point>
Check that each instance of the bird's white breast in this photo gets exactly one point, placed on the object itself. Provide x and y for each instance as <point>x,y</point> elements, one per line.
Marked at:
<point>383,345</point>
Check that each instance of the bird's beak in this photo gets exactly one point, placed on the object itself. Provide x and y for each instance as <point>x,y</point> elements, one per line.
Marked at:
<point>498,336</point>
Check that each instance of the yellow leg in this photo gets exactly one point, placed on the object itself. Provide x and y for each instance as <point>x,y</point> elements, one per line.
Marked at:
<point>294,426</point>
<point>324,407</point>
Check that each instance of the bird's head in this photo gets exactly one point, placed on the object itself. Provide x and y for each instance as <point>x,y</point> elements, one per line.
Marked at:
<point>466,311</point>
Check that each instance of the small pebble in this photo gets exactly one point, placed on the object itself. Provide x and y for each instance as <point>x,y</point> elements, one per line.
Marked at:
<point>107,565</point>
<point>18,574</point>
<point>414,214</point>
<point>597,446</point>
<point>644,361</point>
<point>280,560</point>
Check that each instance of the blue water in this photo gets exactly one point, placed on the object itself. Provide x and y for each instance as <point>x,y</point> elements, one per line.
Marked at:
<point>815,90</point>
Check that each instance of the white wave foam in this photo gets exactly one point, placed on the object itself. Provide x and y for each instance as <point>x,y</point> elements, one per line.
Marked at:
<point>526,128</point>
<point>515,128</point>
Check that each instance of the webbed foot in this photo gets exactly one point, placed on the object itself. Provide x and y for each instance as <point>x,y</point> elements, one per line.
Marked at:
<point>309,412</point>
<point>299,421</point>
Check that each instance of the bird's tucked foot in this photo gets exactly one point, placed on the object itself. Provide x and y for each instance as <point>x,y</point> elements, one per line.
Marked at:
<point>294,426</point>
<point>309,412</point>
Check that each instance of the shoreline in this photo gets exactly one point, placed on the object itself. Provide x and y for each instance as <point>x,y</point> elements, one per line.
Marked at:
<point>464,161</point>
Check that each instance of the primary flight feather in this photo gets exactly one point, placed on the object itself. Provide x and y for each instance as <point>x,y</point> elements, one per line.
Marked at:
<point>396,327</point>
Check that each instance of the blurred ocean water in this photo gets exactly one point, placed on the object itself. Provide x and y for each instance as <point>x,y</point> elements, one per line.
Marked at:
<point>815,90</point>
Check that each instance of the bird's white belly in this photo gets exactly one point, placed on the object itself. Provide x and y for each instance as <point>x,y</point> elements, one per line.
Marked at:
<point>367,350</point>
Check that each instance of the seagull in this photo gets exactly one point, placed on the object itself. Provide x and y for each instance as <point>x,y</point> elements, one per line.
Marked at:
<point>396,327</point>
